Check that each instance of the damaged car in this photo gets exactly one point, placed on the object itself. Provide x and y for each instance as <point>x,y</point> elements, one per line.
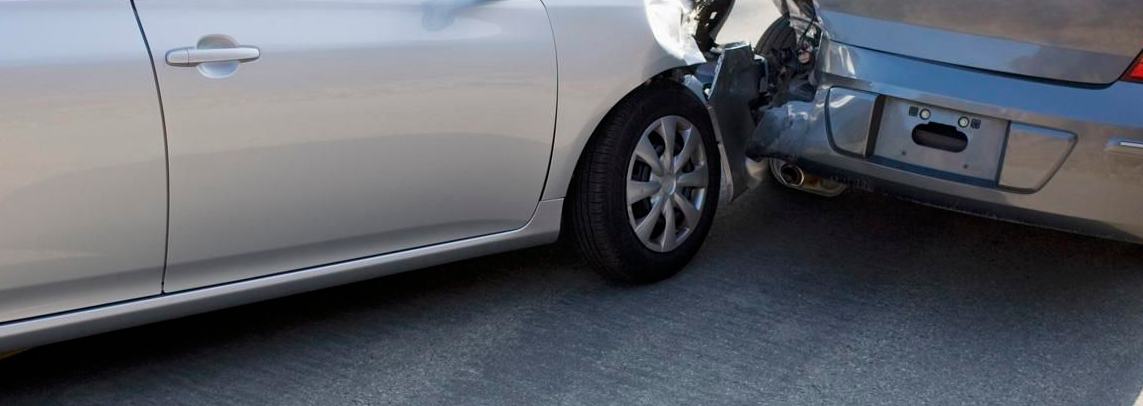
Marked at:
<point>171,157</point>
<point>1026,111</point>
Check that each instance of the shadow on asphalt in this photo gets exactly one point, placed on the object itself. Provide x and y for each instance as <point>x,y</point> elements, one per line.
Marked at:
<point>794,300</point>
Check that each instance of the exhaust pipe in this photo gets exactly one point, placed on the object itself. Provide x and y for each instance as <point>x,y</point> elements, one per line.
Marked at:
<point>792,175</point>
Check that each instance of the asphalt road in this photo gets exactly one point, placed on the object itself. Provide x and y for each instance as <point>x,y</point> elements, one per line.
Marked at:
<point>795,300</point>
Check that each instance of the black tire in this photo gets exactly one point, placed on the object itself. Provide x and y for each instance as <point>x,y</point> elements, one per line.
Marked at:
<point>597,208</point>
<point>779,36</point>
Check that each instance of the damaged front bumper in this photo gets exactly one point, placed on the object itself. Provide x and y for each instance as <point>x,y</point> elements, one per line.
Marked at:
<point>735,90</point>
<point>730,88</point>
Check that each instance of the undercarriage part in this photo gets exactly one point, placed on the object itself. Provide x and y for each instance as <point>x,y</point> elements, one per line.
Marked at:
<point>794,177</point>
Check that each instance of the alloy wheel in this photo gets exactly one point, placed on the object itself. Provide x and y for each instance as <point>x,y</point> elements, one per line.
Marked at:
<point>667,181</point>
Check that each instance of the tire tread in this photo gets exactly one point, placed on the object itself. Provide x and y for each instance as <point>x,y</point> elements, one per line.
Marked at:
<point>608,247</point>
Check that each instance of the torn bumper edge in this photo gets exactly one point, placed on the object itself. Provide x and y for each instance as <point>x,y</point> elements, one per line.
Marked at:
<point>674,29</point>
<point>729,92</point>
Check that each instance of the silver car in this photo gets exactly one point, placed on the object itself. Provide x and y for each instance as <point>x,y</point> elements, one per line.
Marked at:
<point>160,158</point>
<point>1023,110</point>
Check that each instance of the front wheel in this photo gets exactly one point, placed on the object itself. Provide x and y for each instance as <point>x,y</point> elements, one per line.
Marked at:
<point>646,189</point>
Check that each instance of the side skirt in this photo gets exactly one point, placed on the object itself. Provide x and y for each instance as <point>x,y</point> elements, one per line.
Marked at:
<point>543,228</point>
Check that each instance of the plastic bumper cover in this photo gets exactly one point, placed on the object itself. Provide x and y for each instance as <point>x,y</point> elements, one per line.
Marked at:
<point>1067,159</point>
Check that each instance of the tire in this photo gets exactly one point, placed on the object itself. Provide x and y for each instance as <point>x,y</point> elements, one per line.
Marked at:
<point>601,220</point>
<point>779,36</point>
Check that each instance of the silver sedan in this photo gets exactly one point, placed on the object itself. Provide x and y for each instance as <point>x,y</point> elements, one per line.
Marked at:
<point>165,157</point>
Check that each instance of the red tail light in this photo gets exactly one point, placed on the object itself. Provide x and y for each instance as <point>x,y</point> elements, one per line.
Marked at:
<point>1135,74</point>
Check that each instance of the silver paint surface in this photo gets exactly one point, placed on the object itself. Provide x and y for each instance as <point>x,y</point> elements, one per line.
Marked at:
<point>543,228</point>
<point>83,196</point>
<point>1087,41</point>
<point>850,115</point>
<point>364,127</point>
<point>607,48</point>
<point>1033,155</point>
<point>366,138</point>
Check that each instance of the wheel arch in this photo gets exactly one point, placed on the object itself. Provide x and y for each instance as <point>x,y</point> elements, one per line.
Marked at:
<point>673,76</point>
<point>554,190</point>
<point>606,50</point>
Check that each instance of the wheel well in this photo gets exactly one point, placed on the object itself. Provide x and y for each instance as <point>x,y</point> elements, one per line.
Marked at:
<point>670,77</point>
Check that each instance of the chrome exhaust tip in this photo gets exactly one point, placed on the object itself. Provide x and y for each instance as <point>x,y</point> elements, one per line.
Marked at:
<point>792,175</point>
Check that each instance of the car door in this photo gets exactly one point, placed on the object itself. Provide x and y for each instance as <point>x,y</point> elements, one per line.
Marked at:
<point>308,132</point>
<point>83,193</point>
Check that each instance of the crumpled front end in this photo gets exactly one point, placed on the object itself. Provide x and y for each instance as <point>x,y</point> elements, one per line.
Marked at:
<point>742,83</point>
<point>674,28</point>
<point>726,78</point>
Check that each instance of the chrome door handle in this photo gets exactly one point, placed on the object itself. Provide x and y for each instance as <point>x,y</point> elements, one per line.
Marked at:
<point>192,56</point>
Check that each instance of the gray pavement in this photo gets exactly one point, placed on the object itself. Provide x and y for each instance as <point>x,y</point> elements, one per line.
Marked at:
<point>795,300</point>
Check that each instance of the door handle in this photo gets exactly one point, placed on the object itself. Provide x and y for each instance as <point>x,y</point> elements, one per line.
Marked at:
<point>192,56</point>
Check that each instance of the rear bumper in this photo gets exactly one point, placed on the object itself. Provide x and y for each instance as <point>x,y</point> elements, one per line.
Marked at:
<point>1081,176</point>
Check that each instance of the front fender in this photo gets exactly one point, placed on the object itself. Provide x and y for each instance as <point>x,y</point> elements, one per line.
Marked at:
<point>605,49</point>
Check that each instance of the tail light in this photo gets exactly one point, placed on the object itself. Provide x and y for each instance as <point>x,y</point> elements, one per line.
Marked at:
<point>1135,74</point>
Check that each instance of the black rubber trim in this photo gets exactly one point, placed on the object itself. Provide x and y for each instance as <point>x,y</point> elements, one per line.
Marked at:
<point>874,124</point>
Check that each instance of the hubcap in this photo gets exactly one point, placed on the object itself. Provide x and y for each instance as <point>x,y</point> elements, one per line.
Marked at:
<point>667,181</point>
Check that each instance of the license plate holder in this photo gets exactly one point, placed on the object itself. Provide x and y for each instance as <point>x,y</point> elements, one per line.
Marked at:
<point>979,159</point>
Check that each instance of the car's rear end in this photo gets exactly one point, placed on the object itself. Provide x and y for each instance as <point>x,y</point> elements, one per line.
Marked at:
<point>1027,110</point>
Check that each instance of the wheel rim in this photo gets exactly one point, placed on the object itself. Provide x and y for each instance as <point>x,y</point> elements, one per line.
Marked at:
<point>667,181</point>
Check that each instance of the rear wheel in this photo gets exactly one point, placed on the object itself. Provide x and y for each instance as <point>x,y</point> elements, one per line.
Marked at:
<point>647,186</point>
<point>779,37</point>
